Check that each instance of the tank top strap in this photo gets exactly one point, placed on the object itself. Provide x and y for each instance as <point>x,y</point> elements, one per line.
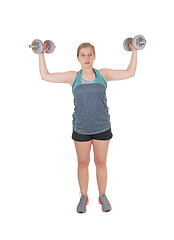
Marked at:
<point>100,78</point>
<point>75,82</point>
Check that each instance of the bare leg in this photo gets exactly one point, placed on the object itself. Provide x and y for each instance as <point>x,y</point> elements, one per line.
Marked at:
<point>100,157</point>
<point>83,156</point>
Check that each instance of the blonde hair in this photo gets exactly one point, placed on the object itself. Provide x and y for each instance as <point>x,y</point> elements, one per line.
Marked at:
<point>85,45</point>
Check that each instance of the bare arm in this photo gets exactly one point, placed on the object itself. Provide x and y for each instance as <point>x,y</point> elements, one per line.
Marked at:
<point>42,66</point>
<point>133,63</point>
<point>65,77</point>
<point>110,74</point>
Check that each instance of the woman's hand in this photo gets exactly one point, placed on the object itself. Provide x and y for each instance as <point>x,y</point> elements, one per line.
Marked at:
<point>45,47</point>
<point>131,46</point>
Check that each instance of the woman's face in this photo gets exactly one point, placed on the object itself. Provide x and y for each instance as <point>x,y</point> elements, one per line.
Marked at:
<point>86,57</point>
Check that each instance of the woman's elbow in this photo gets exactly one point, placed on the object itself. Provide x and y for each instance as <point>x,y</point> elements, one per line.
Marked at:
<point>133,74</point>
<point>44,77</point>
<point>130,74</point>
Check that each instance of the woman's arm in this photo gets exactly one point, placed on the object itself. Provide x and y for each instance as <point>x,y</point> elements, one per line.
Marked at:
<point>42,66</point>
<point>110,74</point>
<point>65,77</point>
<point>133,63</point>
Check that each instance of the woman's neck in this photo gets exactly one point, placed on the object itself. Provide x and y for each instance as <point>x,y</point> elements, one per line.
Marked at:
<point>89,71</point>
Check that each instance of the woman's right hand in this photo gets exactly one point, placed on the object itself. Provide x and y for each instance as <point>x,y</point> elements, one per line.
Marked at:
<point>45,47</point>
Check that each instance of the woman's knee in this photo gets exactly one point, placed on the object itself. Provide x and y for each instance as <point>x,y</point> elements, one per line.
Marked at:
<point>83,163</point>
<point>100,163</point>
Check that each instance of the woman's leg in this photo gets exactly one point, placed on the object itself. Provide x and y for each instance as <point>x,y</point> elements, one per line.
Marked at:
<point>100,157</point>
<point>83,156</point>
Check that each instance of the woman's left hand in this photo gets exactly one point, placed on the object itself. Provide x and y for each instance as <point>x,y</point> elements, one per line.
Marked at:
<point>131,46</point>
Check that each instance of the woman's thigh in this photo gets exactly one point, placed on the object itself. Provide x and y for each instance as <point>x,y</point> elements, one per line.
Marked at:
<point>83,151</point>
<point>100,151</point>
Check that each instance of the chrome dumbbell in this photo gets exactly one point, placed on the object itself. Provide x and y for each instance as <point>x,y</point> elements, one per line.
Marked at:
<point>38,46</point>
<point>138,42</point>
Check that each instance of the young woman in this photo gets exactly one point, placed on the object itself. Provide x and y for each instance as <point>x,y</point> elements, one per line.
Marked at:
<point>91,120</point>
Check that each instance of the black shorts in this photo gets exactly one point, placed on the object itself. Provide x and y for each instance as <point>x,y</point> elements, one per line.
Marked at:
<point>107,135</point>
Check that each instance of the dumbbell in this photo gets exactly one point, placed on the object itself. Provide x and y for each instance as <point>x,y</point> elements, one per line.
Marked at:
<point>138,42</point>
<point>38,46</point>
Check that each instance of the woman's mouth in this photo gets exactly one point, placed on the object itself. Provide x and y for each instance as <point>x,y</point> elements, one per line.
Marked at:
<point>87,62</point>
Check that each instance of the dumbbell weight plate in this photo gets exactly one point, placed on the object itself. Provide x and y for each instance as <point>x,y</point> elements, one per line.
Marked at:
<point>38,43</point>
<point>51,46</point>
<point>126,44</point>
<point>137,44</point>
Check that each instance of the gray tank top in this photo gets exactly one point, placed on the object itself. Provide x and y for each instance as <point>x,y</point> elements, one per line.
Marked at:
<point>91,114</point>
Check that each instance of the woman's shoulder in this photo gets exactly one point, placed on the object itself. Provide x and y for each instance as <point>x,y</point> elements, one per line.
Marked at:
<point>103,72</point>
<point>73,75</point>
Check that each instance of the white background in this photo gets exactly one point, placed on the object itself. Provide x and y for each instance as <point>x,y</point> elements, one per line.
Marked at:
<point>39,189</point>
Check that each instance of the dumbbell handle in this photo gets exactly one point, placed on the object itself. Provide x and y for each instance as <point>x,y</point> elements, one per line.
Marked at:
<point>141,41</point>
<point>33,46</point>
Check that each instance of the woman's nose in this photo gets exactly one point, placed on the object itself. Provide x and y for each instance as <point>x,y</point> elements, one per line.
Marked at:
<point>86,57</point>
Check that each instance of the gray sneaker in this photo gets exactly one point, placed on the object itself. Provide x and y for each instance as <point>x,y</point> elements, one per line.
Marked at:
<point>81,208</point>
<point>106,206</point>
